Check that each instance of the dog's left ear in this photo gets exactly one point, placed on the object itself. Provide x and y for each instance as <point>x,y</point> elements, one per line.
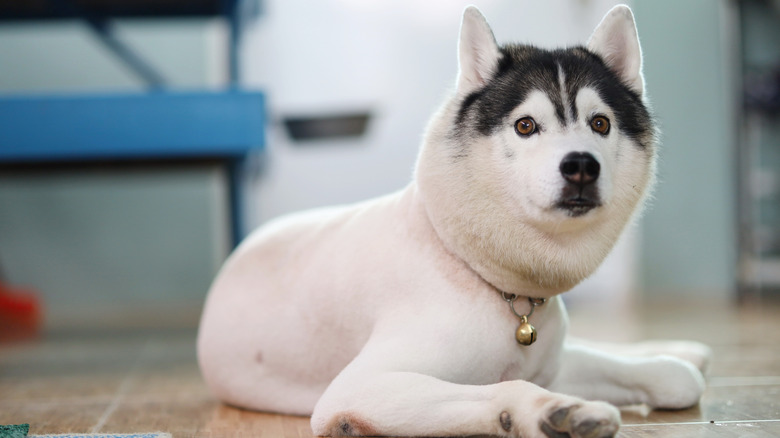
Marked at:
<point>477,52</point>
<point>616,41</point>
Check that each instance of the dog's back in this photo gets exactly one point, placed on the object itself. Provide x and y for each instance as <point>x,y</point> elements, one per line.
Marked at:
<point>298,299</point>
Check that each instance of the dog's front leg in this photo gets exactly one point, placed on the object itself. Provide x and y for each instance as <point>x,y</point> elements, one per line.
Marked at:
<point>694,352</point>
<point>663,381</point>
<point>413,404</point>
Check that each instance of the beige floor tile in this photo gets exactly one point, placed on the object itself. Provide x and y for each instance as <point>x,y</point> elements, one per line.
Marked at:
<point>54,417</point>
<point>756,429</point>
<point>731,403</point>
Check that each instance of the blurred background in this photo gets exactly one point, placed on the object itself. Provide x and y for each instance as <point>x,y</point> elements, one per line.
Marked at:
<point>125,233</point>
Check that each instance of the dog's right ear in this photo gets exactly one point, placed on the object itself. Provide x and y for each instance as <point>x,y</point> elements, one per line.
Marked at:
<point>478,53</point>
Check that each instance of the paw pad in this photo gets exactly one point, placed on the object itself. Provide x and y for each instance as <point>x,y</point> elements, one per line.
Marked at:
<point>577,421</point>
<point>506,421</point>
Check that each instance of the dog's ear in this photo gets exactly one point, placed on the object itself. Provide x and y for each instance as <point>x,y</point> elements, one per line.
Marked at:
<point>615,40</point>
<point>477,52</point>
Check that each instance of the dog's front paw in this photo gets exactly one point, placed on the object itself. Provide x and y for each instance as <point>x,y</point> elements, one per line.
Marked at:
<point>672,383</point>
<point>581,420</point>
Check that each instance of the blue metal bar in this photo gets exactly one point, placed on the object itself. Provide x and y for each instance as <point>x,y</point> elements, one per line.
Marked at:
<point>238,13</point>
<point>232,12</point>
<point>237,195</point>
<point>125,126</point>
<point>104,31</point>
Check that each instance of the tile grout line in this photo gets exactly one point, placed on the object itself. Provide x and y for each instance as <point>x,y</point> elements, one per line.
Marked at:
<point>700,423</point>
<point>121,391</point>
<point>114,404</point>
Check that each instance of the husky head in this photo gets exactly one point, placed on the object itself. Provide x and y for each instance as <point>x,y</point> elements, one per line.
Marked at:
<point>532,169</point>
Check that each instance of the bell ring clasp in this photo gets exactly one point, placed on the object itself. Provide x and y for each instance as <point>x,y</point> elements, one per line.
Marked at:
<point>526,333</point>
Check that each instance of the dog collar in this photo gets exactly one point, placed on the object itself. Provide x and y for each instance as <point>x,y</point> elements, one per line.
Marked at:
<point>526,333</point>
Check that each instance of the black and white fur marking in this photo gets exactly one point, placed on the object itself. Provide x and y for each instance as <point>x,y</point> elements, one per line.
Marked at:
<point>560,74</point>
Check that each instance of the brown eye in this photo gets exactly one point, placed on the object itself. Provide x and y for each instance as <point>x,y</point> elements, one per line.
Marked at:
<point>525,126</point>
<point>600,124</point>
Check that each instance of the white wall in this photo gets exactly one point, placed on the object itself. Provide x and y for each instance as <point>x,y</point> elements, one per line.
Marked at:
<point>98,244</point>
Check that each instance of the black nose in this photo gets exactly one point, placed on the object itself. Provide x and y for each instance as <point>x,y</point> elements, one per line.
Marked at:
<point>580,168</point>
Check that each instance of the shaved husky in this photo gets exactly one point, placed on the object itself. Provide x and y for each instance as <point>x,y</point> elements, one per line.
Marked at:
<point>396,316</point>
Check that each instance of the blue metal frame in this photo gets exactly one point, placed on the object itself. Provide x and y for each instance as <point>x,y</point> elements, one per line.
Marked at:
<point>224,126</point>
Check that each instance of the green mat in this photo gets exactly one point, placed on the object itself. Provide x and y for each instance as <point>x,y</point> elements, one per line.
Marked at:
<point>21,431</point>
<point>14,431</point>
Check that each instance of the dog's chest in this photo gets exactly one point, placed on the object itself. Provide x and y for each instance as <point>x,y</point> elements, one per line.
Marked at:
<point>475,344</point>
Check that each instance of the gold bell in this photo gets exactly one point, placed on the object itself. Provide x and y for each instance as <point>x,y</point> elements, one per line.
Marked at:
<point>526,333</point>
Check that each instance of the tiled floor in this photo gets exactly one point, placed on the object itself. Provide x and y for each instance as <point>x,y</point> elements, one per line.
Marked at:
<point>144,381</point>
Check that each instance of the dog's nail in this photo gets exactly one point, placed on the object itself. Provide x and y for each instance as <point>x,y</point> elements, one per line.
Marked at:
<point>552,433</point>
<point>559,417</point>
<point>587,428</point>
